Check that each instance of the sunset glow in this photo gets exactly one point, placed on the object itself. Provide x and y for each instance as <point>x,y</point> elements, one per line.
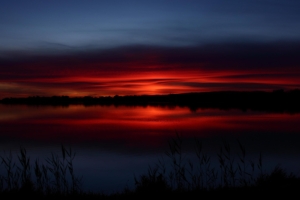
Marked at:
<point>47,48</point>
<point>119,82</point>
<point>94,79</point>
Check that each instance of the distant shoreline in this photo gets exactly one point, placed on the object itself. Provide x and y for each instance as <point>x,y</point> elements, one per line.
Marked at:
<point>276,101</point>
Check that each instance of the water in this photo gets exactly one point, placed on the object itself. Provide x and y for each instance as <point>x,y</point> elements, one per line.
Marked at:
<point>113,144</point>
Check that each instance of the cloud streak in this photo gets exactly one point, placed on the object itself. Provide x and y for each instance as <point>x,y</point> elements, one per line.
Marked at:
<point>135,70</point>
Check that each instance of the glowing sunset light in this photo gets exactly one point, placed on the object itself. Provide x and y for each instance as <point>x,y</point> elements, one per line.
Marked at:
<point>99,77</point>
<point>160,82</point>
<point>115,80</point>
<point>170,70</point>
<point>151,54</point>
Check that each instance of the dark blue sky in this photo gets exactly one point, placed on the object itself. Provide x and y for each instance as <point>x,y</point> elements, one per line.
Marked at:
<point>70,25</point>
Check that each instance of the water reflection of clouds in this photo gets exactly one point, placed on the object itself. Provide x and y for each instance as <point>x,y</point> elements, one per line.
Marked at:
<point>111,139</point>
<point>99,123</point>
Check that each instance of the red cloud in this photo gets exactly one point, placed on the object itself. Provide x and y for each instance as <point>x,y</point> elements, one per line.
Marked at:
<point>153,70</point>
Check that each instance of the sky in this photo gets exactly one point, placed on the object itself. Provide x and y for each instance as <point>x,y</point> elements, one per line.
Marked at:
<point>135,47</point>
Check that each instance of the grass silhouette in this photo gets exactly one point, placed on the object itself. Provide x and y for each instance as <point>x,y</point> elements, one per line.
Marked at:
<point>55,177</point>
<point>175,177</point>
<point>233,171</point>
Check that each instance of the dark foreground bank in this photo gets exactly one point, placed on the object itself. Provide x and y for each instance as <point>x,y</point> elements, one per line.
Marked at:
<point>235,177</point>
<point>276,101</point>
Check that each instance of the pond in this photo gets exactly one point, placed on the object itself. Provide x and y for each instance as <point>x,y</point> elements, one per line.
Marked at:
<point>115,143</point>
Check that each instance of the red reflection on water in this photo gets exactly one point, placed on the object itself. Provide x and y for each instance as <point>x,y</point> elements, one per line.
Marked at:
<point>133,126</point>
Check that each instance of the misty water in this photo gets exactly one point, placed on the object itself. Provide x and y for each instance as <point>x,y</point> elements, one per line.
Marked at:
<point>114,144</point>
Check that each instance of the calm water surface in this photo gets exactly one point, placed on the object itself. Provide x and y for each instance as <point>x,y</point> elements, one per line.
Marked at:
<point>113,144</point>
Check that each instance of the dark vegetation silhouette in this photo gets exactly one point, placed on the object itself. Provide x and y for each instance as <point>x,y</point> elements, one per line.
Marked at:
<point>176,177</point>
<point>276,101</point>
<point>53,177</point>
<point>234,173</point>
